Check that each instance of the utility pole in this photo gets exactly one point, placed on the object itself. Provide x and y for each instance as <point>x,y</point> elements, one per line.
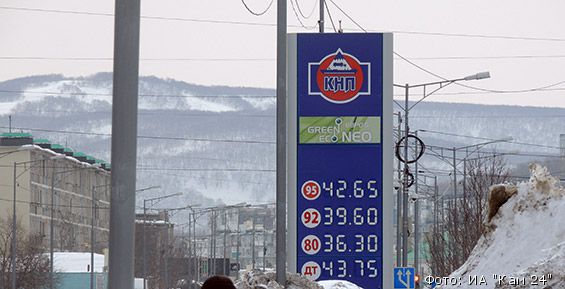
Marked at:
<point>264,241</point>
<point>253,241</point>
<point>405,184</point>
<point>238,240</point>
<point>52,231</point>
<point>225,251</point>
<point>92,238</point>
<point>14,234</point>
<point>281,141</point>
<point>416,219</point>
<point>143,240</point>
<point>189,276</point>
<point>321,21</point>
<point>399,202</point>
<point>124,143</point>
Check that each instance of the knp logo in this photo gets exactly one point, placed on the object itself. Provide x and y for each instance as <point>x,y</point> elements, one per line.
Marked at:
<point>339,78</point>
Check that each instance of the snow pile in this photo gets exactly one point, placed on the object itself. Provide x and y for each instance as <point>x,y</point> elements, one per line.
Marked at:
<point>525,238</point>
<point>338,284</point>
<point>260,280</point>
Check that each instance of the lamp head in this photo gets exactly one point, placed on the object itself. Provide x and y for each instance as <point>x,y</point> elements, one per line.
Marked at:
<point>478,76</point>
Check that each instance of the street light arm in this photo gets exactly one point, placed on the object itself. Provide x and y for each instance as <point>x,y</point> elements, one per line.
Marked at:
<point>441,85</point>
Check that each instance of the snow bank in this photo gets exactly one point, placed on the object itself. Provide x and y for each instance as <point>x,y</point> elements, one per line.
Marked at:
<point>526,237</point>
<point>259,280</point>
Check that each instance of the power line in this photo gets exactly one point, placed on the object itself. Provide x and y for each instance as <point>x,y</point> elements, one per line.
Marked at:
<point>347,15</point>
<point>146,136</point>
<point>242,59</point>
<point>487,139</point>
<point>487,116</point>
<point>141,168</point>
<point>298,17</point>
<point>300,10</point>
<point>172,112</point>
<point>504,37</point>
<point>141,59</point>
<point>141,95</point>
<point>331,18</point>
<point>207,169</point>
<point>257,13</point>
<point>478,88</point>
<point>49,205</point>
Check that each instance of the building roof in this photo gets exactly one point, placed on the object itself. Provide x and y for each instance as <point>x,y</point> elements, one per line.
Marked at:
<point>77,262</point>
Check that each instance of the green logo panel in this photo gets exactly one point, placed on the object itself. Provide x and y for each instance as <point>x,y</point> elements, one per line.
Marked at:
<point>340,130</point>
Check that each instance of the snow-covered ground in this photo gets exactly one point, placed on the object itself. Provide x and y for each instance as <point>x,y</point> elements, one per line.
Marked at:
<point>526,241</point>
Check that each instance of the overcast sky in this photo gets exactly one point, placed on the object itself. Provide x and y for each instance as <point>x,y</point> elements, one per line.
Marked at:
<point>522,43</point>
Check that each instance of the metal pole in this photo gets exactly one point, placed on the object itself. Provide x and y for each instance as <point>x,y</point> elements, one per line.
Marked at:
<point>321,21</point>
<point>455,206</point>
<point>238,241</point>
<point>253,241</point>
<point>212,269</point>
<point>264,244</point>
<point>405,185</point>
<point>143,244</point>
<point>416,219</point>
<point>196,261</point>
<point>166,253</point>
<point>281,142</point>
<point>52,231</point>
<point>399,202</point>
<point>225,252</point>
<point>189,245</point>
<point>14,233</point>
<point>124,143</point>
<point>92,240</point>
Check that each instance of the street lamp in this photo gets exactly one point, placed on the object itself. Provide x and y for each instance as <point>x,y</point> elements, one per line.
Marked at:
<point>143,229</point>
<point>407,108</point>
<point>14,215</point>
<point>52,211</point>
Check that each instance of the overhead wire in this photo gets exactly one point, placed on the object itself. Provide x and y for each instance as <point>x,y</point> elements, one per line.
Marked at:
<point>257,13</point>
<point>298,17</point>
<point>349,17</point>
<point>302,13</point>
<point>330,16</point>
<point>141,94</point>
<point>274,24</point>
<point>145,136</point>
<point>460,57</point>
<point>478,88</point>
<point>487,139</point>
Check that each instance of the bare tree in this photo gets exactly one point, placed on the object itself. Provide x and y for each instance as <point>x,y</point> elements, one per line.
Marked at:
<point>32,263</point>
<point>453,238</point>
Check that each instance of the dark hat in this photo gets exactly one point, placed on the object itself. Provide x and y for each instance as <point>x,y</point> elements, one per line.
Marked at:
<point>218,282</point>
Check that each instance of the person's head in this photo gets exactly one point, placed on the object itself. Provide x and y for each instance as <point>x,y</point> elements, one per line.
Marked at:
<point>218,282</point>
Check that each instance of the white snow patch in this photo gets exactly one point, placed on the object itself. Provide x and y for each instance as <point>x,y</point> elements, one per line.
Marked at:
<point>261,103</point>
<point>77,262</point>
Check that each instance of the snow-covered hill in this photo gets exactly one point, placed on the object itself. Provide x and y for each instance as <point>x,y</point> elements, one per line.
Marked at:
<point>527,241</point>
<point>217,142</point>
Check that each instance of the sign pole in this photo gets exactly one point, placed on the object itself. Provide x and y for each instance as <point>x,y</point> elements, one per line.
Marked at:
<point>124,144</point>
<point>281,143</point>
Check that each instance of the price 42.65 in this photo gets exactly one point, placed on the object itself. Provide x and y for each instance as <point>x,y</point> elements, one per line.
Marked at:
<point>341,189</point>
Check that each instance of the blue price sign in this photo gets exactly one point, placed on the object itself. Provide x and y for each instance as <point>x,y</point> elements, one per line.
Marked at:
<point>340,158</point>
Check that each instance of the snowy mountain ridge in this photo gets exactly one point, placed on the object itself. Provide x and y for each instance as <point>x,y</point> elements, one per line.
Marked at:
<point>190,133</point>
